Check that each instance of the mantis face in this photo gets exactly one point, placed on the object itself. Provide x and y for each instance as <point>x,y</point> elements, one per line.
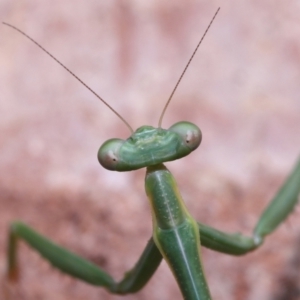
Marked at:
<point>149,146</point>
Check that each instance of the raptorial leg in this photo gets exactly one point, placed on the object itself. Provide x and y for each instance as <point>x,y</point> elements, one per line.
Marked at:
<point>275,213</point>
<point>77,266</point>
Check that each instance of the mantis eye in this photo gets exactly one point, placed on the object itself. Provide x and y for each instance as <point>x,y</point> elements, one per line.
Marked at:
<point>108,154</point>
<point>189,132</point>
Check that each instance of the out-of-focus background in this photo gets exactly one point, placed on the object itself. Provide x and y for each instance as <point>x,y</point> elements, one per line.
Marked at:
<point>242,89</point>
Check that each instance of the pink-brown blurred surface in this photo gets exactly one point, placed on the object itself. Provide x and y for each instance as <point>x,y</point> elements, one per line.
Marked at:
<point>242,89</point>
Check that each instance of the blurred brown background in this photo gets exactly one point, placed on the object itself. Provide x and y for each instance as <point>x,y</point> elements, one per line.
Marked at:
<point>242,89</point>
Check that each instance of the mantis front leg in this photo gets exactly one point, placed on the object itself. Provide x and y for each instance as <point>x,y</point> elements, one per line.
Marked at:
<point>78,267</point>
<point>274,214</point>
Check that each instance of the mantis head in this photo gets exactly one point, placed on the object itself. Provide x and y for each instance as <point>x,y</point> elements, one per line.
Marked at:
<point>149,146</point>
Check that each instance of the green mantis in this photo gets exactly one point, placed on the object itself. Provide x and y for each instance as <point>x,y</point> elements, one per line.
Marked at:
<point>176,235</point>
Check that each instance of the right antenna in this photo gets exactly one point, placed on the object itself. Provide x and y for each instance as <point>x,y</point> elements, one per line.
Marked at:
<point>169,100</point>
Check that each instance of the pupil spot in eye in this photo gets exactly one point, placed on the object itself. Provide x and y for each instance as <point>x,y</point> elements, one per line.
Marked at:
<point>112,156</point>
<point>189,136</point>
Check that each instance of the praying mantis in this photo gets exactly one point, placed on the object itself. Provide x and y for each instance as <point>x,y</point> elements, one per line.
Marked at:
<point>175,233</point>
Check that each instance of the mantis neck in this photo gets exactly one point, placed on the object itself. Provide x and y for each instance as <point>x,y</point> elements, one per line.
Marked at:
<point>168,208</point>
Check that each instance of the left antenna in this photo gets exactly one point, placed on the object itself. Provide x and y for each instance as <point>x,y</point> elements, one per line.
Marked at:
<point>187,65</point>
<point>68,70</point>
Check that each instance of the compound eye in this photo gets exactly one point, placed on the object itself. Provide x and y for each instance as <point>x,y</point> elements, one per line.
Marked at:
<point>108,154</point>
<point>189,132</point>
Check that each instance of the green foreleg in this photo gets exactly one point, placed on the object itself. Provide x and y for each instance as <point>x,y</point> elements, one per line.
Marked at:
<point>229,243</point>
<point>275,213</point>
<point>281,205</point>
<point>79,267</point>
<point>137,277</point>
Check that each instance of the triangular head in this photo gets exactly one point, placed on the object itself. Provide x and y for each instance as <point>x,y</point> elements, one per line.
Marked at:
<point>149,146</point>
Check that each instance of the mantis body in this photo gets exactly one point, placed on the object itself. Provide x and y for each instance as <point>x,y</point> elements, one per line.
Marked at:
<point>176,235</point>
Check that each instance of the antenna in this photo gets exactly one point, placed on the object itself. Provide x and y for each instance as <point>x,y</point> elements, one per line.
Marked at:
<point>68,70</point>
<point>169,100</point>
